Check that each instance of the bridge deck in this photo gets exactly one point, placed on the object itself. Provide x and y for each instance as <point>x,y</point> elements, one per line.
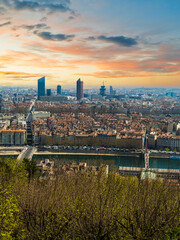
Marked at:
<point>27,153</point>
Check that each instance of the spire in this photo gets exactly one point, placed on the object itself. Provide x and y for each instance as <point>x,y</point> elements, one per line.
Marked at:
<point>146,156</point>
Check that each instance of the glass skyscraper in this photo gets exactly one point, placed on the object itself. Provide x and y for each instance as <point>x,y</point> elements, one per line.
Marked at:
<point>41,87</point>
<point>48,92</point>
<point>58,89</point>
<point>79,89</point>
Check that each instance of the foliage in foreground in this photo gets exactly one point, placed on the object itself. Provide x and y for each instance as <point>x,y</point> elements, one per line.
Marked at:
<point>85,207</point>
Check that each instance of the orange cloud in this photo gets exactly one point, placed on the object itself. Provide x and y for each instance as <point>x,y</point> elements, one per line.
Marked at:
<point>19,58</point>
<point>101,61</point>
<point>17,75</point>
<point>116,74</point>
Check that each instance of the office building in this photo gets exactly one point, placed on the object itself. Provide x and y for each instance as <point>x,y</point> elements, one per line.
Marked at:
<point>112,91</point>
<point>79,89</point>
<point>173,143</point>
<point>59,90</point>
<point>41,87</point>
<point>103,90</point>
<point>48,92</point>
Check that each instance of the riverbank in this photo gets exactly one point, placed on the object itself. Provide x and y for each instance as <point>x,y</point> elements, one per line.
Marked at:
<point>126,154</point>
<point>123,154</point>
<point>9,153</point>
<point>87,154</point>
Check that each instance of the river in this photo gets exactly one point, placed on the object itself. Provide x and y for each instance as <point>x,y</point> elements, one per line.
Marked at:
<point>113,161</point>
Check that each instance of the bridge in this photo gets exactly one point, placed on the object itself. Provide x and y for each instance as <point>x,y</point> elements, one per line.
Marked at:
<point>27,153</point>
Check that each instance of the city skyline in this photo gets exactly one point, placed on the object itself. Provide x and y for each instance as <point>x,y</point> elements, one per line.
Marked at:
<point>123,43</point>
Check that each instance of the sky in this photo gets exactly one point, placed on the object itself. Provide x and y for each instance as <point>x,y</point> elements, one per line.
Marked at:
<point>123,43</point>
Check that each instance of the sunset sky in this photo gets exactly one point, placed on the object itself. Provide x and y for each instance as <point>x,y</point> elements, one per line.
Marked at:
<point>121,42</point>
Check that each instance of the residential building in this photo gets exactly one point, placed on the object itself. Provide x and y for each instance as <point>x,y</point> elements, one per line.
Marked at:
<point>58,98</point>
<point>40,115</point>
<point>12,137</point>
<point>173,143</point>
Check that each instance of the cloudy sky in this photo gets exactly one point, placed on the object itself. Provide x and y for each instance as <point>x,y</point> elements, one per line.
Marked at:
<point>120,42</point>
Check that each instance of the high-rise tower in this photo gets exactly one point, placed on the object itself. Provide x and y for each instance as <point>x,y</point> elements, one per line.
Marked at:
<point>41,87</point>
<point>79,89</point>
<point>59,90</point>
<point>48,92</point>
<point>103,90</point>
<point>112,91</point>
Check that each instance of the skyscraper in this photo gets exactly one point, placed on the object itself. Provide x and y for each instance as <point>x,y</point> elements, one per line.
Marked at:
<point>41,87</point>
<point>103,90</point>
<point>59,90</point>
<point>111,90</point>
<point>79,89</point>
<point>48,92</point>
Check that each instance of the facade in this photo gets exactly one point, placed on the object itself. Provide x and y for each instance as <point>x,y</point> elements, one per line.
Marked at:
<point>48,92</point>
<point>152,141</point>
<point>59,91</point>
<point>18,98</point>
<point>41,87</point>
<point>178,129</point>
<point>79,89</point>
<point>13,137</point>
<point>112,91</point>
<point>172,143</point>
<point>171,128</point>
<point>59,98</point>
<point>40,115</point>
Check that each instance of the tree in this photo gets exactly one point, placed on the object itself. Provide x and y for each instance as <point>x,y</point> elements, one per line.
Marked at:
<point>31,167</point>
<point>9,221</point>
<point>173,234</point>
<point>85,205</point>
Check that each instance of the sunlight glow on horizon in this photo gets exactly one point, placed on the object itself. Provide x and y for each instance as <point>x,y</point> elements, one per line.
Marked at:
<point>68,43</point>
